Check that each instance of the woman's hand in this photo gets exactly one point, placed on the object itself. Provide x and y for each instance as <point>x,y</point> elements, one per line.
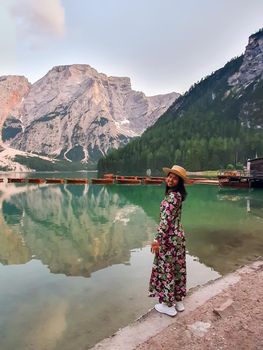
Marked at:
<point>155,246</point>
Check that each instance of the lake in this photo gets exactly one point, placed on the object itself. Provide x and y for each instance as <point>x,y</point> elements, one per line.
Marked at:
<point>75,260</point>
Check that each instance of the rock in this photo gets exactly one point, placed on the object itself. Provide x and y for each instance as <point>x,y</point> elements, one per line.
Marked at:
<point>13,90</point>
<point>252,66</point>
<point>199,328</point>
<point>225,309</point>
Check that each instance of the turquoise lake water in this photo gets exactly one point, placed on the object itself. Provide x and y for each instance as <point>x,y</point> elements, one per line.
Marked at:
<point>75,260</point>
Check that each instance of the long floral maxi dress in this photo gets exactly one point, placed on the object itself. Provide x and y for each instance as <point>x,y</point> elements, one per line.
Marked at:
<point>168,278</point>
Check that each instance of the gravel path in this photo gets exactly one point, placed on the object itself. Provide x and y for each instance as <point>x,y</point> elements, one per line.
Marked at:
<point>233,319</point>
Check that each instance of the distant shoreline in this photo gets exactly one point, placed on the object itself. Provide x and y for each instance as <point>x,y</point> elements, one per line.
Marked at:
<point>210,173</point>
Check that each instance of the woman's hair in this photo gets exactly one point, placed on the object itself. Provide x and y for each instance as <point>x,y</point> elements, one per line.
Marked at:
<point>178,188</point>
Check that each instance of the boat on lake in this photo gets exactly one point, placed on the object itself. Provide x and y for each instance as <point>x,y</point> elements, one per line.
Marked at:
<point>77,181</point>
<point>55,181</point>
<point>109,176</point>
<point>103,181</point>
<point>133,180</point>
<point>35,181</point>
<point>161,178</point>
<point>16,179</point>
<point>151,181</point>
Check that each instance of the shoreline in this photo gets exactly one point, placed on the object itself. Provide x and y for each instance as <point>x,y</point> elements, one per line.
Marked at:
<point>157,331</point>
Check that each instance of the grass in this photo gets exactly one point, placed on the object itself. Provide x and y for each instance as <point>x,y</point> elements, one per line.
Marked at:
<point>205,173</point>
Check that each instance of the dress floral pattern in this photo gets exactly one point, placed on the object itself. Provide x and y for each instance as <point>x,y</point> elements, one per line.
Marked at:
<point>168,278</point>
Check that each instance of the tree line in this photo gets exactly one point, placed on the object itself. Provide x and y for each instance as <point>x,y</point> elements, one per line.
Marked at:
<point>208,128</point>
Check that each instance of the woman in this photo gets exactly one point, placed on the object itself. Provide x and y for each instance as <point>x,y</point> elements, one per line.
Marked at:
<point>168,278</point>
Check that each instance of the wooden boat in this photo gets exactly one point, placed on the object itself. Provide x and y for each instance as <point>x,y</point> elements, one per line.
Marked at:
<point>16,179</point>
<point>77,181</point>
<point>126,181</point>
<point>158,178</point>
<point>150,181</point>
<point>107,176</point>
<point>55,181</point>
<point>35,181</point>
<point>130,177</point>
<point>104,181</point>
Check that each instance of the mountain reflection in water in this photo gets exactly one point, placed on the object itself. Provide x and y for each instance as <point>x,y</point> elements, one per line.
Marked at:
<point>73,255</point>
<point>77,230</point>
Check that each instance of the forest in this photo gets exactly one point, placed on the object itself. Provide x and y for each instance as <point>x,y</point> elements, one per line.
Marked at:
<point>212,126</point>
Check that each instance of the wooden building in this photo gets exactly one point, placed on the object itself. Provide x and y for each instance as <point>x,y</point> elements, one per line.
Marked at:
<point>255,167</point>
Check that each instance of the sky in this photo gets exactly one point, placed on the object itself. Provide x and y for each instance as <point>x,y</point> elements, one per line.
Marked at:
<point>162,45</point>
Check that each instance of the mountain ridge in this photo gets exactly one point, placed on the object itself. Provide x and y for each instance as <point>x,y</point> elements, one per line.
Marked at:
<point>217,122</point>
<point>78,114</point>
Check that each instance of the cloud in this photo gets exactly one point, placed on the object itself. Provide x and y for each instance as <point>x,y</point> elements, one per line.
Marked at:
<point>35,17</point>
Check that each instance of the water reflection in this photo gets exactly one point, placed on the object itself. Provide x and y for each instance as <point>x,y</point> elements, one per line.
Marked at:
<point>76,230</point>
<point>253,199</point>
<point>103,233</point>
<point>223,228</point>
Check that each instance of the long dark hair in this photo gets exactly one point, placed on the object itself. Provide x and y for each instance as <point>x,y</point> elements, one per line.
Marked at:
<point>178,188</point>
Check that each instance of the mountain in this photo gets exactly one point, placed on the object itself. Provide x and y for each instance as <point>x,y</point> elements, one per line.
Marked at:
<point>77,114</point>
<point>13,90</point>
<point>217,122</point>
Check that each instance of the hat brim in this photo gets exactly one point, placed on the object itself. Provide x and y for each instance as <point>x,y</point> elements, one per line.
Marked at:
<point>168,170</point>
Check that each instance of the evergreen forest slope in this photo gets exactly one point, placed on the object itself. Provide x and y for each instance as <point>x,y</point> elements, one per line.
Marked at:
<point>217,122</point>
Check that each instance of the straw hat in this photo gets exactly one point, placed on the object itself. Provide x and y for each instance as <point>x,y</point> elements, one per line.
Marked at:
<point>177,170</point>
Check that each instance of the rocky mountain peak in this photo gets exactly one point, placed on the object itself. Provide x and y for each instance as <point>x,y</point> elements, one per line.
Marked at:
<point>251,69</point>
<point>74,71</point>
<point>80,114</point>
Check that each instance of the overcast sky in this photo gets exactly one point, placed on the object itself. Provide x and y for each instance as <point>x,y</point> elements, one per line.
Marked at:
<point>162,45</point>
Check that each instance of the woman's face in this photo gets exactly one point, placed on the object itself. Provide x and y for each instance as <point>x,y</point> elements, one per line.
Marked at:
<point>172,180</point>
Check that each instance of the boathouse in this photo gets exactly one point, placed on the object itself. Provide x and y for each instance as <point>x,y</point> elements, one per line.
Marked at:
<point>255,169</point>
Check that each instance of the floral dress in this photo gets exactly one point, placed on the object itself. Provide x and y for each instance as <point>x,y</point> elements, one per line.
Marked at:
<point>168,278</point>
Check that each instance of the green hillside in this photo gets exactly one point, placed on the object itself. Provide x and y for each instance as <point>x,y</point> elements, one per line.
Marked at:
<point>209,127</point>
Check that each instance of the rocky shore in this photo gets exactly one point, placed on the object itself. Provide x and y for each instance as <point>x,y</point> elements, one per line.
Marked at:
<point>224,314</point>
